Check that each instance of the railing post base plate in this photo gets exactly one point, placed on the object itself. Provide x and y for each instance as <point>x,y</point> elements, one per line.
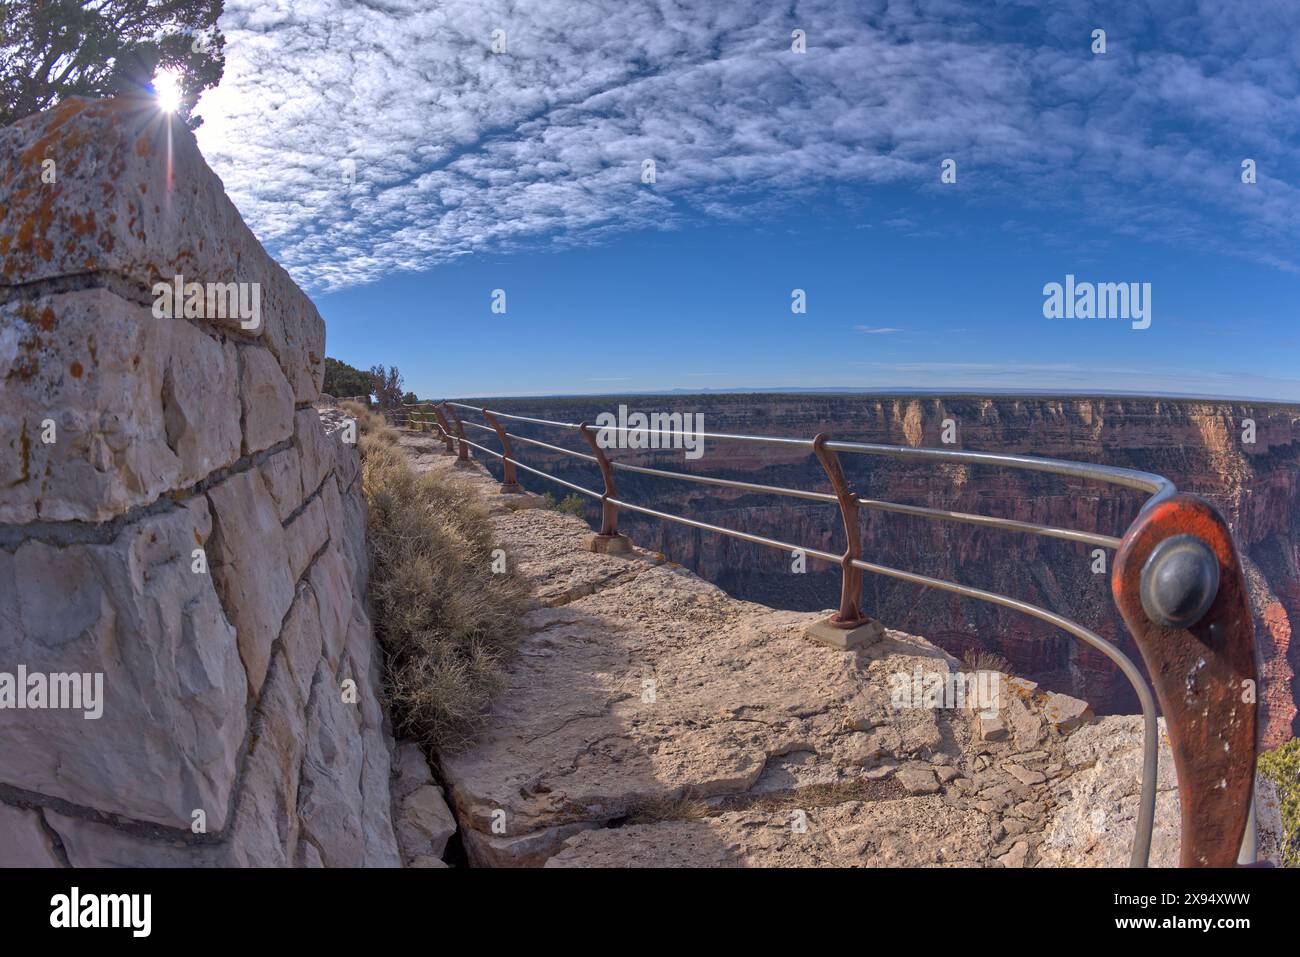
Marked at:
<point>463,464</point>
<point>610,544</point>
<point>512,488</point>
<point>828,632</point>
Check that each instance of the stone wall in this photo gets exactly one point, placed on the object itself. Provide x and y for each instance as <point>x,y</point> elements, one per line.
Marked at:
<point>241,721</point>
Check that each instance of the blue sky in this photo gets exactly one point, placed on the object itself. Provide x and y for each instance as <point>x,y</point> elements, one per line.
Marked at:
<point>521,171</point>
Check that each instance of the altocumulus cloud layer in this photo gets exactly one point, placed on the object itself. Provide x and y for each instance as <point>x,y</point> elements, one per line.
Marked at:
<point>458,149</point>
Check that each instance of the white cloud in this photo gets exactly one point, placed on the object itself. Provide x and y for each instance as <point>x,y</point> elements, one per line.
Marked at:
<point>458,150</point>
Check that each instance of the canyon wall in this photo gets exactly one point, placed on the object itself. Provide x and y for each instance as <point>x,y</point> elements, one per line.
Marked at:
<point>178,528</point>
<point>1197,444</point>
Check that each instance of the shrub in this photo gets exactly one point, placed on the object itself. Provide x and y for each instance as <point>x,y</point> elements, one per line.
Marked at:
<point>1282,767</point>
<point>370,425</point>
<point>445,620</point>
<point>977,659</point>
<point>571,504</point>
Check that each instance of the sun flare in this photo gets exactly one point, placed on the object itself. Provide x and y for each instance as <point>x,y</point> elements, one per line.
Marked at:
<point>167,87</point>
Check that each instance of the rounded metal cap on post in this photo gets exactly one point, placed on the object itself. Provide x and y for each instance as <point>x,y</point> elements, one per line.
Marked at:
<point>1179,582</point>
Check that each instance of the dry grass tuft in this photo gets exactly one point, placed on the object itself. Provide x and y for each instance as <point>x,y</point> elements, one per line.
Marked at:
<point>672,807</point>
<point>370,423</point>
<point>976,659</point>
<point>445,619</point>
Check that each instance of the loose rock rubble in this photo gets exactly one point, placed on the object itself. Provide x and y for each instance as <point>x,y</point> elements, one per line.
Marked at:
<point>423,822</point>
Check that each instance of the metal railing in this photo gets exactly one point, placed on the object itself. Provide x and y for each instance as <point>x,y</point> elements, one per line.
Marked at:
<point>1163,583</point>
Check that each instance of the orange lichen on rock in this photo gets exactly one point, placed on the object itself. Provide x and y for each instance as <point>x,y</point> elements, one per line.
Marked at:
<point>32,232</point>
<point>83,225</point>
<point>58,118</point>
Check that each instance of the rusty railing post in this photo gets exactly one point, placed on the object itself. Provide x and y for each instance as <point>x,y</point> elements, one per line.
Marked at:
<point>608,540</point>
<point>462,450</point>
<point>445,429</point>
<point>848,628</point>
<point>509,480</point>
<point>1180,588</point>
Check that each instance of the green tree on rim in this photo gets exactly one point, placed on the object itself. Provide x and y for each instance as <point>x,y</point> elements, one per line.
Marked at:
<point>52,49</point>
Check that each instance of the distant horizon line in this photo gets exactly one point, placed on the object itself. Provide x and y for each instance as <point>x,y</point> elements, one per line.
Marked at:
<point>886,392</point>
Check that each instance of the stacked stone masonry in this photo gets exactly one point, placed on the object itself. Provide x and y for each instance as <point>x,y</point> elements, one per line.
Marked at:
<point>241,720</point>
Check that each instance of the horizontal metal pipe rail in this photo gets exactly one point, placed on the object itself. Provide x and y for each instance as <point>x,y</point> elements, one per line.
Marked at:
<point>1160,490</point>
